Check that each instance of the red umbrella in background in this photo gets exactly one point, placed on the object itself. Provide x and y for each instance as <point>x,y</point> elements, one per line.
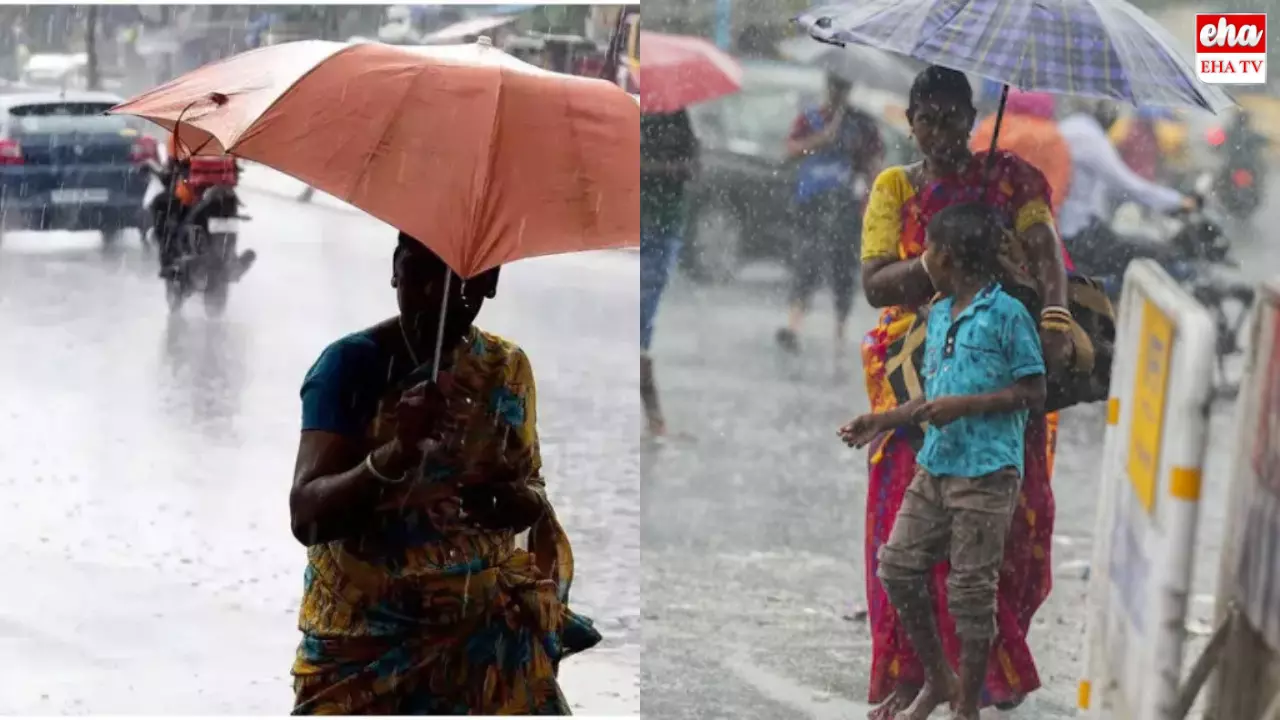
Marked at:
<point>677,71</point>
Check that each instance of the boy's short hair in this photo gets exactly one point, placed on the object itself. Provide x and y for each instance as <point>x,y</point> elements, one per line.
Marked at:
<point>972,234</point>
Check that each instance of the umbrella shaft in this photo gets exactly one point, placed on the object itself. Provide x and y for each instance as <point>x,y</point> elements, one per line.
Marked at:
<point>995,133</point>
<point>444,309</point>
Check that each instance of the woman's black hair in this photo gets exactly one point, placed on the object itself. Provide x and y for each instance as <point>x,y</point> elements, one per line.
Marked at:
<point>939,83</point>
<point>404,243</point>
<point>972,234</point>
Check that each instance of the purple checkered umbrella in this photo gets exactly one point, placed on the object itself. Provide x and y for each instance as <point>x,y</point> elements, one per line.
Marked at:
<point>1091,48</point>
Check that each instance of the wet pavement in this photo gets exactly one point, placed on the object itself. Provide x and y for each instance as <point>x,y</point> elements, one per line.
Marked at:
<point>753,516</point>
<point>144,540</point>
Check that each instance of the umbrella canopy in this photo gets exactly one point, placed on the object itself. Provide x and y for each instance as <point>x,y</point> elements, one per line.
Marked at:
<point>482,157</point>
<point>1092,48</point>
<point>678,71</point>
<point>859,64</point>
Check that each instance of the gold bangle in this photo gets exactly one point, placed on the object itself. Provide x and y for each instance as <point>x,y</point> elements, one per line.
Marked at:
<point>1055,326</point>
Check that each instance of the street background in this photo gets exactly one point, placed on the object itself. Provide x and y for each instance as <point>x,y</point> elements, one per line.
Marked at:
<point>144,532</point>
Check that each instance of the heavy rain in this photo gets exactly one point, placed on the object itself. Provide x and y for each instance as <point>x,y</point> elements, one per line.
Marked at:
<point>758,523</point>
<point>163,304</point>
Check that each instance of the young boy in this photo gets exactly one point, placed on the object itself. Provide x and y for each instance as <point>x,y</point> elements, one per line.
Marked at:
<point>983,375</point>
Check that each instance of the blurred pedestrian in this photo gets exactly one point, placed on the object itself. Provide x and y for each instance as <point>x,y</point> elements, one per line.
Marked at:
<point>1029,129</point>
<point>840,150</point>
<point>409,495</point>
<point>1100,181</point>
<point>903,201</point>
<point>1138,143</point>
<point>984,375</point>
<point>668,156</point>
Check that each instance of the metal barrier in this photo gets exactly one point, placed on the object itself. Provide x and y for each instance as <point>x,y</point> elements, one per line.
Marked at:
<point>1248,683</point>
<point>1157,417</point>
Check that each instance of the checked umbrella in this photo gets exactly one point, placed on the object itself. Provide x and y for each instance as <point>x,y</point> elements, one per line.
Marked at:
<point>1090,48</point>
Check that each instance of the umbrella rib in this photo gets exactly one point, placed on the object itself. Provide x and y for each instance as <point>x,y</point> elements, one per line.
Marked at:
<point>490,159</point>
<point>255,127</point>
<point>386,130</point>
<point>589,218</point>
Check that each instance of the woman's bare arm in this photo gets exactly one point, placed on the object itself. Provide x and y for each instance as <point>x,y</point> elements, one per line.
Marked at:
<point>888,283</point>
<point>333,492</point>
<point>1044,255</point>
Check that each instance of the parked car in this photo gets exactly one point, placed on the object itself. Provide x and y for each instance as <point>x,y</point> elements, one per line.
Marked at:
<point>740,203</point>
<point>64,165</point>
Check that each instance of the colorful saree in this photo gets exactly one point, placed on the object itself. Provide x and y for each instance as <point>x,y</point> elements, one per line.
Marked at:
<point>893,227</point>
<point>423,614</point>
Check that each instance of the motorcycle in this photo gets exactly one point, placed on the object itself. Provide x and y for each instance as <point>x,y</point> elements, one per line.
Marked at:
<point>1240,182</point>
<point>1198,256</point>
<point>198,244</point>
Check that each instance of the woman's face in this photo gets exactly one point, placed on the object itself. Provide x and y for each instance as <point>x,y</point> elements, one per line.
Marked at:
<point>941,127</point>
<point>419,282</point>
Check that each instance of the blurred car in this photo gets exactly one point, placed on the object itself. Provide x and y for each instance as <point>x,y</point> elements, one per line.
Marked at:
<point>740,202</point>
<point>64,165</point>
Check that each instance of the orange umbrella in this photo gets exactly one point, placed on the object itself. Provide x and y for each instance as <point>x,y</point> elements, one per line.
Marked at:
<point>482,157</point>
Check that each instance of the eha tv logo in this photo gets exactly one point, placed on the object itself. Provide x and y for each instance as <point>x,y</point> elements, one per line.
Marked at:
<point>1231,48</point>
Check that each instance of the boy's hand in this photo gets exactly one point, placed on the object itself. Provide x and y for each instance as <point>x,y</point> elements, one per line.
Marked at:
<point>943,411</point>
<point>861,431</point>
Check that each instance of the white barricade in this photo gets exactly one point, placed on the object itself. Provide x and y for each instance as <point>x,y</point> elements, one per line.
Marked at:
<point>1255,511</point>
<point>1157,417</point>
<point>1249,575</point>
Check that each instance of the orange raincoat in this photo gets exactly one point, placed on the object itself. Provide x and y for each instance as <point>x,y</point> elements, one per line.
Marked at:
<point>1030,131</point>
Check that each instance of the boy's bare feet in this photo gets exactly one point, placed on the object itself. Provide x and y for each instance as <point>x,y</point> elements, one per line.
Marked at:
<point>931,697</point>
<point>897,701</point>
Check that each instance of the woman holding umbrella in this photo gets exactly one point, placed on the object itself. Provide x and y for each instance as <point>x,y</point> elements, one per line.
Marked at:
<point>418,461</point>
<point>415,600</point>
<point>903,199</point>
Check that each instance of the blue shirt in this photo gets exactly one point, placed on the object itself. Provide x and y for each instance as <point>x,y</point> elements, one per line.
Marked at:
<point>830,168</point>
<point>990,345</point>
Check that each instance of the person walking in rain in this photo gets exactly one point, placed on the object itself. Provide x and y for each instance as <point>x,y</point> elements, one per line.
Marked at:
<point>840,150</point>
<point>984,374</point>
<point>408,495</point>
<point>668,152</point>
<point>903,201</point>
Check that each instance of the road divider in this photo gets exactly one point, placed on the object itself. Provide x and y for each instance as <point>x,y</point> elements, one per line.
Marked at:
<point>1248,603</point>
<point>1148,509</point>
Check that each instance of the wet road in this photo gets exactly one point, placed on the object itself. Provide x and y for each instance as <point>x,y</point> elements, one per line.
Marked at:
<point>144,542</point>
<point>753,522</point>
